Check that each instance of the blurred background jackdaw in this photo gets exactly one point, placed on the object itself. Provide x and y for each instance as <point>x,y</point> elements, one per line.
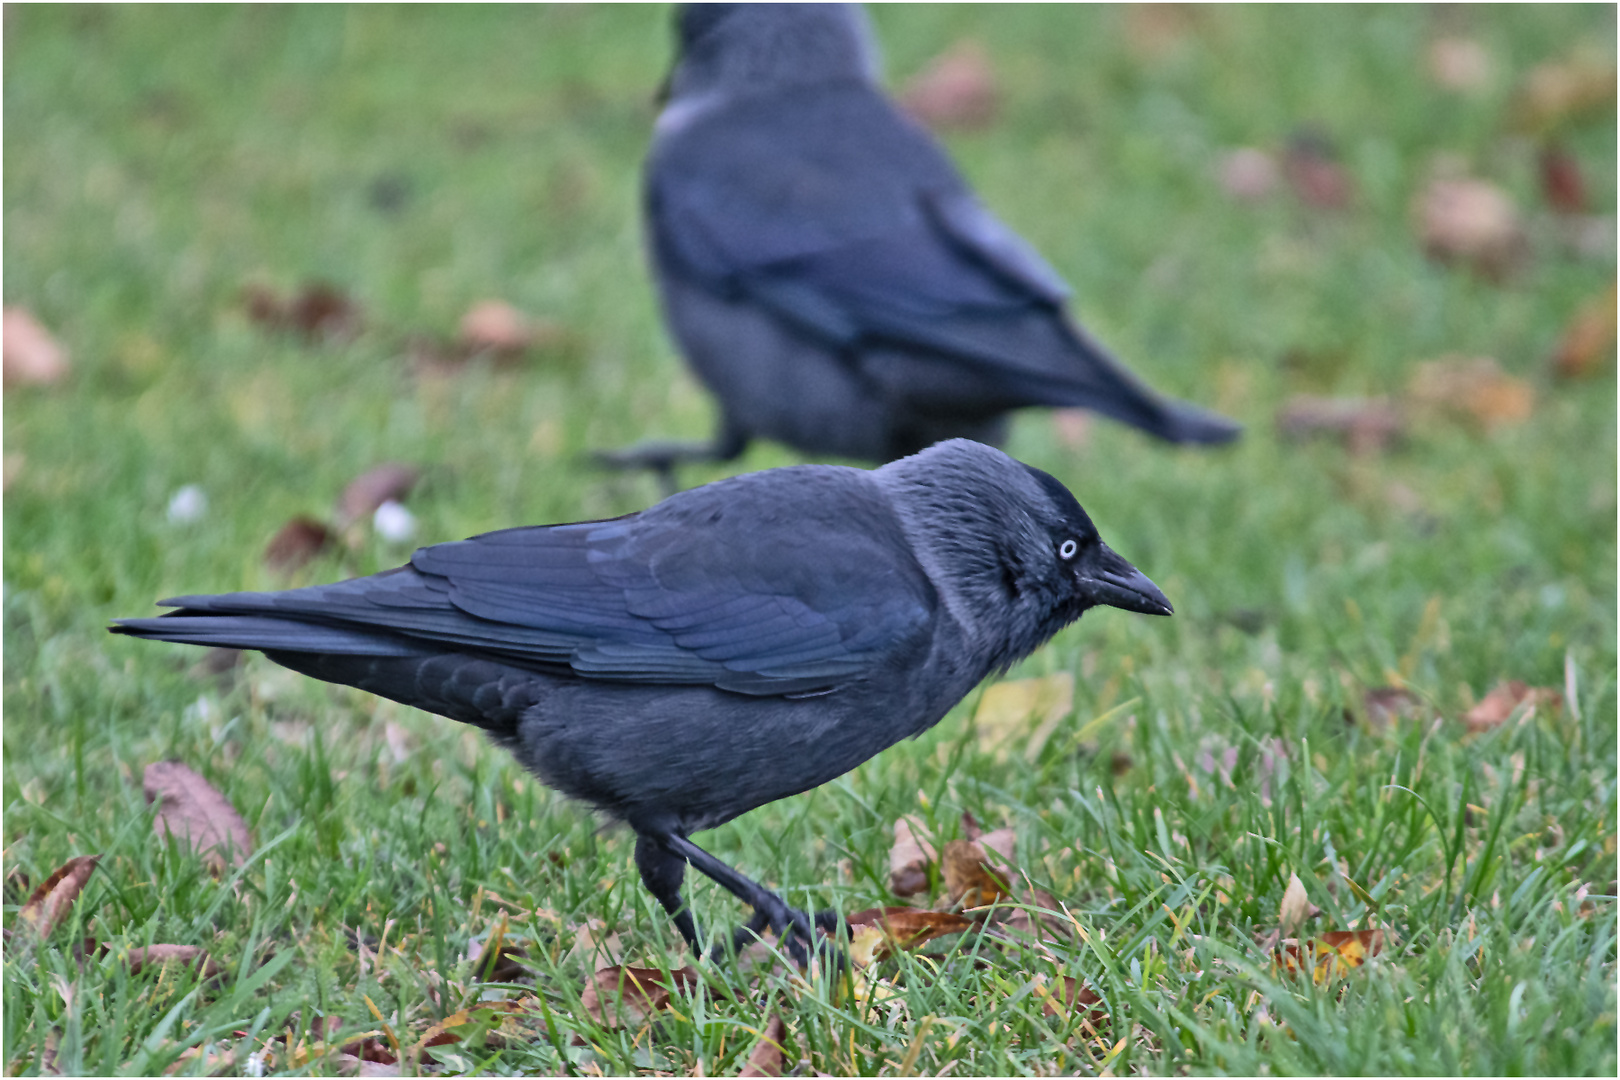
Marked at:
<point>734,644</point>
<point>828,273</point>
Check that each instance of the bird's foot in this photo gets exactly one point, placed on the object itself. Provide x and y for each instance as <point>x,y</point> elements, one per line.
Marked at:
<point>799,934</point>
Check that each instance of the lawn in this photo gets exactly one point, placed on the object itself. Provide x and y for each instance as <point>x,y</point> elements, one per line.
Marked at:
<point>1306,749</point>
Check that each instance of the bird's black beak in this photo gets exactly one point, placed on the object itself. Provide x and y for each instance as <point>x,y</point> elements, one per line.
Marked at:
<point>1112,581</point>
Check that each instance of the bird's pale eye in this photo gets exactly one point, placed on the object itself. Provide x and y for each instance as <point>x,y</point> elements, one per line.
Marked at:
<point>1067,549</point>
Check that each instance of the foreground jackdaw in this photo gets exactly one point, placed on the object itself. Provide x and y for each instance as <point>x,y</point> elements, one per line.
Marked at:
<point>828,273</point>
<point>734,644</point>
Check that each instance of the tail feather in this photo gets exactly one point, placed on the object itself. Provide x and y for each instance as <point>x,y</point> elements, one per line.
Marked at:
<point>266,633</point>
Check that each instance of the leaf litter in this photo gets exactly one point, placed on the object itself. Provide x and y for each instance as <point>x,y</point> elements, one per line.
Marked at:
<point>193,811</point>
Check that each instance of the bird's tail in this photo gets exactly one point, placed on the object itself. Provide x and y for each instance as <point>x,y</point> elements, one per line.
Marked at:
<point>189,626</point>
<point>1111,389</point>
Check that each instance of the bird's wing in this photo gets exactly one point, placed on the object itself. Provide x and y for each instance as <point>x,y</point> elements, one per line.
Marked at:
<point>854,222</point>
<point>745,585</point>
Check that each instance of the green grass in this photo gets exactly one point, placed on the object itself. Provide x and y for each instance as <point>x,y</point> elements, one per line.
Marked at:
<point>157,159</point>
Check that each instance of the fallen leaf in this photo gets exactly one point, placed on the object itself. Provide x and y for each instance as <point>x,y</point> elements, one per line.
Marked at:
<point>909,858</point>
<point>1009,710</point>
<point>1556,95</point>
<point>1072,427</point>
<point>1473,388</point>
<point>1250,174</point>
<point>1364,424</point>
<point>595,944</point>
<point>296,543</point>
<point>957,90</point>
<point>1461,220</point>
<point>1032,917</point>
<point>1460,64</point>
<point>497,327</point>
<point>1311,165</point>
<point>969,878</point>
<point>1296,905</point>
<point>1504,700</point>
<point>1332,955</point>
<point>317,311</point>
<point>1561,183</point>
<point>370,1048</point>
<point>48,908</point>
<point>29,355</point>
<point>1588,343</point>
<point>47,1057</point>
<point>623,996</point>
<point>770,1053</point>
<point>388,482</point>
<point>349,1065</point>
<point>1385,705</point>
<point>215,1062</point>
<point>188,956</point>
<point>190,809</point>
<point>907,928</point>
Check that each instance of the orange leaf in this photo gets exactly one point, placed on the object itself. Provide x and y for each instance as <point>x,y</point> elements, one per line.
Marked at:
<point>1331,955</point>
<point>969,876</point>
<point>1504,699</point>
<point>623,995</point>
<point>907,928</point>
<point>1588,343</point>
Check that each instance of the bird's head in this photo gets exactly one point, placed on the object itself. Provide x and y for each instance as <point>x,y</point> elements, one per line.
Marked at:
<point>738,49</point>
<point>1012,552</point>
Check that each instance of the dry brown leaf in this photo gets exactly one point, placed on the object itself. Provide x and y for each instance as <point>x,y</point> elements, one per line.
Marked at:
<point>625,996</point>
<point>1473,388</point>
<point>1311,165</point>
<point>1460,64</point>
<point>1332,954</point>
<point>494,326</point>
<point>1364,424</point>
<point>497,958</point>
<point>769,1054</point>
<point>1387,704</point>
<point>909,857</point>
<point>1296,905</point>
<point>29,355</point>
<point>596,945</point>
<point>390,481</point>
<point>1556,95</point>
<point>969,877</point>
<point>1037,923</point>
<point>1471,222</point>
<point>48,908</point>
<point>907,928</point>
<point>1496,707</point>
<point>315,312</point>
<point>1589,342</point>
<point>1250,174</point>
<point>189,956</point>
<point>1561,183</point>
<point>296,543</point>
<point>1023,711</point>
<point>191,810</point>
<point>957,90</point>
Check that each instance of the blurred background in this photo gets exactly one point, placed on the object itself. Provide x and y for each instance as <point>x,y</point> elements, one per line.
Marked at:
<point>254,253</point>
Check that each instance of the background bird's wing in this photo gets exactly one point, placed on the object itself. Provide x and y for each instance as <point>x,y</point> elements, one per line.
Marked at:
<point>846,219</point>
<point>742,585</point>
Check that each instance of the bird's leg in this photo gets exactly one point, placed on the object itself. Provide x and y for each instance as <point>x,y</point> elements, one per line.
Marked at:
<point>662,872</point>
<point>793,927</point>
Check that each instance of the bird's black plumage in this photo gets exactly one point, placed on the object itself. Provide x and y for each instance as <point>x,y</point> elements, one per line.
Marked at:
<point>829,274</point>
<point>735,644</point>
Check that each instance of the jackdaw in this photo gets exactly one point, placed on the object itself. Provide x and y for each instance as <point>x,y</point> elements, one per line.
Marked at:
<point>732,645</point>
<point>829,274</point>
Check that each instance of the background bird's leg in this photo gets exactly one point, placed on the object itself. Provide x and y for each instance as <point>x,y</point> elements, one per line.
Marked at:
<point>793,927</point>
<point>662,872</point>
<point>662,455</point>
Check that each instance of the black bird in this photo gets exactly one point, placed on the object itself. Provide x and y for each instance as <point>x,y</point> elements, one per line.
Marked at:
<point>732,645</point>
<point>828,273</point>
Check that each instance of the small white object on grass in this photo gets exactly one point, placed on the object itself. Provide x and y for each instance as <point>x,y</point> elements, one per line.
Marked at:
<point>393,522</point>
<point>188,504</point>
